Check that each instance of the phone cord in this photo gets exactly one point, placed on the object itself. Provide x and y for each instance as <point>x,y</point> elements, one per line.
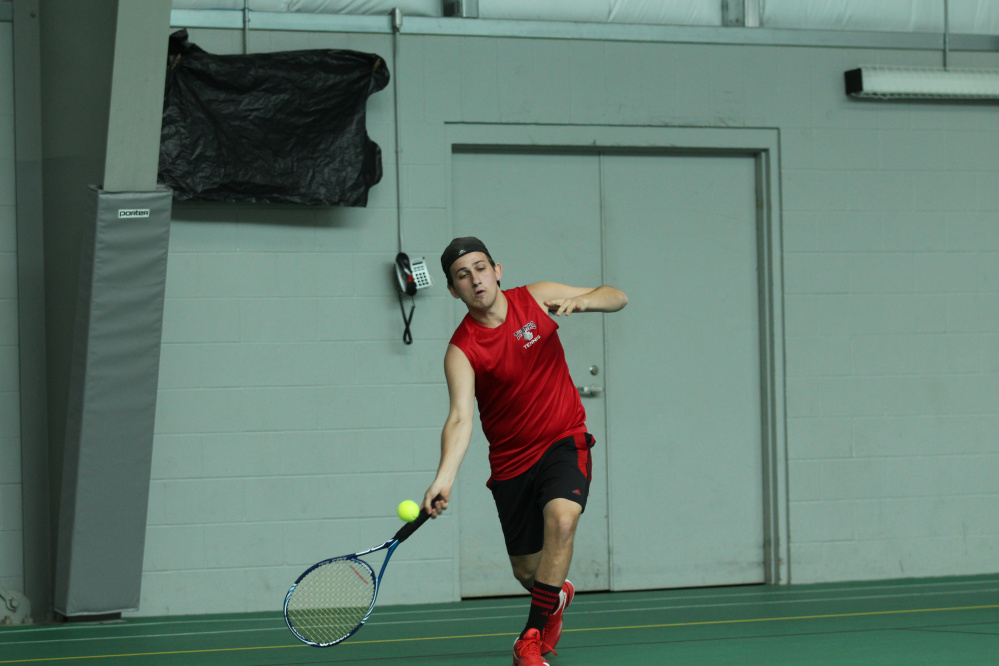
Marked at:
<point>407,336</point>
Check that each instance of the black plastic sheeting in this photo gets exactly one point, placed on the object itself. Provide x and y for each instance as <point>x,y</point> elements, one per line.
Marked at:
<point>284,127</point>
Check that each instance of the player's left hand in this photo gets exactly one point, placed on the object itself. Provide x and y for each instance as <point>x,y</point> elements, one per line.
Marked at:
<point>565,306</point>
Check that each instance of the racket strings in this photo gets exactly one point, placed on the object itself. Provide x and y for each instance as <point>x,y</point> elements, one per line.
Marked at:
<point>332,601</point>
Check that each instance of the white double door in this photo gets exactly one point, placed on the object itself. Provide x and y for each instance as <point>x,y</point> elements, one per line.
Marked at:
<point>673,381</point>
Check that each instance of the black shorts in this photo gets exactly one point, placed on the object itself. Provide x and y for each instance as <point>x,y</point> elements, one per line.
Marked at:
<point>563,472</point>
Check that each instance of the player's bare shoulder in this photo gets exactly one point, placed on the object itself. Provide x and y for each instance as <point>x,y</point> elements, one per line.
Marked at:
<point>458,372</point>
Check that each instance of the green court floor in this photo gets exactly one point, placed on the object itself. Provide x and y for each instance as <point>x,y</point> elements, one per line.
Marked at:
<point>942,621</point>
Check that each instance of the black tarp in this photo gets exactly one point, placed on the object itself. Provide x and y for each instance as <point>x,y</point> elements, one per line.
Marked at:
<point>284,127</point>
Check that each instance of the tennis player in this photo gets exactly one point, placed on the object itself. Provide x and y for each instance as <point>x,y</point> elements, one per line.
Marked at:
<point>506,355</point>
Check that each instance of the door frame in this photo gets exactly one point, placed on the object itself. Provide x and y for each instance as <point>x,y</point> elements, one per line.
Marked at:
<point>764,146</point>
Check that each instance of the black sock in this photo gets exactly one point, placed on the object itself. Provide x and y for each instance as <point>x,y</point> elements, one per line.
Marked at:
<point>544,601</point>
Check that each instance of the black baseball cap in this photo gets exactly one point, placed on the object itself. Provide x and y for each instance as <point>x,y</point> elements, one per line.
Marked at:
<point>458,248</point>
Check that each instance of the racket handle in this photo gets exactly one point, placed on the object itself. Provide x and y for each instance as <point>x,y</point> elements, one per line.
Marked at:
<point>407,530</point>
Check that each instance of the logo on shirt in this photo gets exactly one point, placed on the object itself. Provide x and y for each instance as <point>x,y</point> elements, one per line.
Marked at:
<point>527,333</point>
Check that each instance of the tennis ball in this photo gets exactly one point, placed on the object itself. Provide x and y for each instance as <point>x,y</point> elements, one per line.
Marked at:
<point>409,510</point>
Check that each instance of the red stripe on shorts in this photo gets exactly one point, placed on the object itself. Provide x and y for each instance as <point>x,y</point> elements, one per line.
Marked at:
<point>583,458</point>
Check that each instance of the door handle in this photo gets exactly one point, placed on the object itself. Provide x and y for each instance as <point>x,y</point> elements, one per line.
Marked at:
<point>590,391</point>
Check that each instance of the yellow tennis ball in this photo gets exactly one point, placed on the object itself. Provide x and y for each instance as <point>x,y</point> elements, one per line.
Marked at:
<point>409,510</point>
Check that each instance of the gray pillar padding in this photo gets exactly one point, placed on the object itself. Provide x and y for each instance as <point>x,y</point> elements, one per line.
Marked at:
<point>112,403</point>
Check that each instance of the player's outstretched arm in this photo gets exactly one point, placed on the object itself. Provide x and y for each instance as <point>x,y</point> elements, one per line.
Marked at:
<point>457,432</point>
<point>560,299</point>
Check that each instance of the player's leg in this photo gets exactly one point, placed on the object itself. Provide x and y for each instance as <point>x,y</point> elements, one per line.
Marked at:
<point>523,524</point>
<point>551,564</point>
<point>561,518</point>
<point>523,530</point>
<point>529,647</point>
<point>552,592</point>
<point>544,574</point>
<point>565,487</point>
<point>559,488</point>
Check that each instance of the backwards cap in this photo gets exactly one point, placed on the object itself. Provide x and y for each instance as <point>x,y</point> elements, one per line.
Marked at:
<point>458,248</point>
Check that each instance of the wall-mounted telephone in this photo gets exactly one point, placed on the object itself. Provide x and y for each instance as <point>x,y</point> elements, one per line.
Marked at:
<point>410,276</point>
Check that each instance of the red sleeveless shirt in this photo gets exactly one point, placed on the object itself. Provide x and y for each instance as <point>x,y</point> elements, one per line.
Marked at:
<point>527,400</point>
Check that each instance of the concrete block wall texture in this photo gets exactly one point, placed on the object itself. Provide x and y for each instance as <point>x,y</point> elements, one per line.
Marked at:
<point>11,558</point>
<point>891,240</point>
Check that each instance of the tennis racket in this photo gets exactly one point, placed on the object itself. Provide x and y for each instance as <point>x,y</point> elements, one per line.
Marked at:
<point>332,599</point>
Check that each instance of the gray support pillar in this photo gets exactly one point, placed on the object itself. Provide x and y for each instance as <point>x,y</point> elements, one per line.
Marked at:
<point>102,72</point>
<point>135,114</point>
<point>76,43</point>
<point>112,404</point>
<point>35,513</point>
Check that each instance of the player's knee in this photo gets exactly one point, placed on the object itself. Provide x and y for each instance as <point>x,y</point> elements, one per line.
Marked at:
<point>524,574</point>
<point>562,525</point>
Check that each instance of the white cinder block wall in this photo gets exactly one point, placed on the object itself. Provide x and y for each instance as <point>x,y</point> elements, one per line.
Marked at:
<point>891,250</point>
<point>11,558</point>
<point>288,404</point>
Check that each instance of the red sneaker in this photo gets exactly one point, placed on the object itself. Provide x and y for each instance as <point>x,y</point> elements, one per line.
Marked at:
<point>527,650</point>
<point>553,628</point>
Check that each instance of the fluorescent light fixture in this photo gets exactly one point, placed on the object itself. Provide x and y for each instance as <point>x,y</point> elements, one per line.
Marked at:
<point>921,83</point>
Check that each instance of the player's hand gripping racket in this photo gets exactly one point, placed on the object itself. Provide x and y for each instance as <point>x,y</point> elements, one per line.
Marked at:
<point>332,599</point>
